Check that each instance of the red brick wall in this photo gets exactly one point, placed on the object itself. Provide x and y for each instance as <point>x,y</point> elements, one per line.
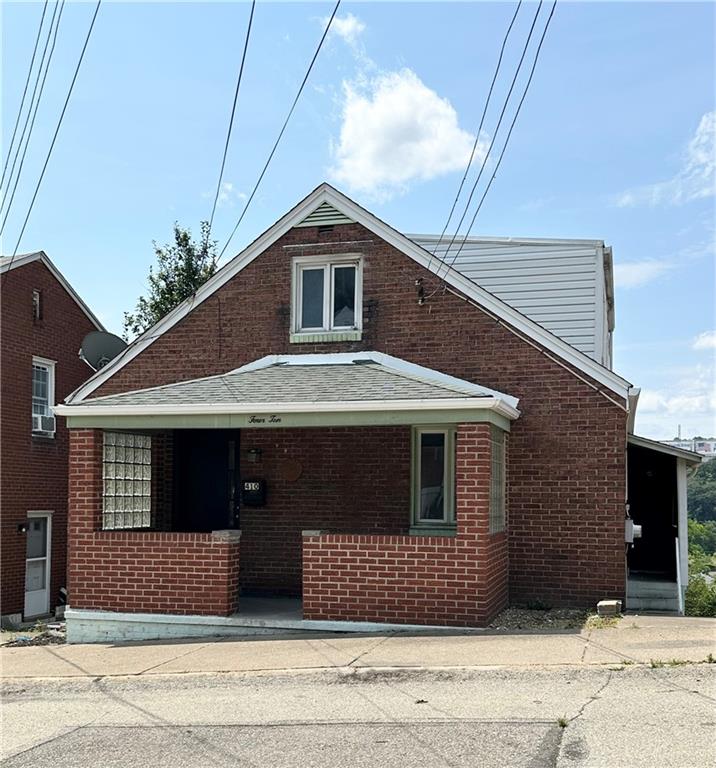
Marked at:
<point>33,473</point>
<point>460,581</point>
<point>354,480</point>
<point>136,571</point>
<point>568,448</point>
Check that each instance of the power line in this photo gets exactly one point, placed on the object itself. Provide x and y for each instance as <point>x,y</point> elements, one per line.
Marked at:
<point>494,137</point>
<point>57,129</point>
<point>32,123</point>
<point>233,112</point>
<point>24,92</point>
<point>477,135</point>
<point>34,92</point>
<point>283,128</point>
<point>509,134</point>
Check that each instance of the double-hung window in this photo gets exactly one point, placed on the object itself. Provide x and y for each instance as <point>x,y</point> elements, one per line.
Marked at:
<point>326,295</point>
<point>43,396</point>
<point>433,477</point>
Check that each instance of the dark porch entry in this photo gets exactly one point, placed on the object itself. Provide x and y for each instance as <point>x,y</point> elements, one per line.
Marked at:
<point>653,504</point>
<point>206,480</point>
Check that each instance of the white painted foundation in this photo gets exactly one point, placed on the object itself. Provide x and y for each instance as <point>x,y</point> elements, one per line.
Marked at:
<point>85,626</point>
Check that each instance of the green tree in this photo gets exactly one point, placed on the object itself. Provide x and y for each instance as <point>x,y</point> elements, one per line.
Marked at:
<point>181,268</point>
<point>702,492</point>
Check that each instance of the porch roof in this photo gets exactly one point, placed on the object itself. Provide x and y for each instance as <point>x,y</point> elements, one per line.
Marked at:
<point>654,445</point>
<point>353,383</point>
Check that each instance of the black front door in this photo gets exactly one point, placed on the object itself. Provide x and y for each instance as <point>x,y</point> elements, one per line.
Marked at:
<point>205,485</point>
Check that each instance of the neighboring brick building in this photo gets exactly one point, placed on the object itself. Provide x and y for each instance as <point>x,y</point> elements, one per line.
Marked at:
<point>43,322</point>
<point>346,418</point>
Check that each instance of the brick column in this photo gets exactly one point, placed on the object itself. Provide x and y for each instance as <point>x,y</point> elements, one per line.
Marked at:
<point>84,514</point>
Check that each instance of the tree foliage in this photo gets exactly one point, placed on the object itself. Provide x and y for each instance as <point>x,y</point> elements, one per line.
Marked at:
<point>702,492</point>
<point>181,268</point>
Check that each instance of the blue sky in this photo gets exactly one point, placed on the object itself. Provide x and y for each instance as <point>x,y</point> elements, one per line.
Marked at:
<point>615,141</point>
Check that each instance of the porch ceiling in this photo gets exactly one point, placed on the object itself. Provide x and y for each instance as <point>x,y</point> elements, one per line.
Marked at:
<point>304,390</point>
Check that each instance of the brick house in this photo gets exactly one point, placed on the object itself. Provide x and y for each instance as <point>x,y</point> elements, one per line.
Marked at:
<point>340,416</point>
<point>43,324</point>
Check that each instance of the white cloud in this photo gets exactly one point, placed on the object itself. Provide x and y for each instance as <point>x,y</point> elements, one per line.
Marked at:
<point>695,180</point>
<point>705,340</point>
<point>396,130</point>
<point>632,274</point>
<point>689,400</point>
<point>228,194</point>
<point>348,27</point>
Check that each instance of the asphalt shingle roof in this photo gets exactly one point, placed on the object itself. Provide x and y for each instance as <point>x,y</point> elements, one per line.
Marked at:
<point>281,383</point>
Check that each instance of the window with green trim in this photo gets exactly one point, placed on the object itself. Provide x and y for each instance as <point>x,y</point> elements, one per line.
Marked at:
<point>433,477</point>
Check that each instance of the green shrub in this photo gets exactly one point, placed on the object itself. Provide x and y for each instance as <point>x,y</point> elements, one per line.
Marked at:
<point>700,597</point>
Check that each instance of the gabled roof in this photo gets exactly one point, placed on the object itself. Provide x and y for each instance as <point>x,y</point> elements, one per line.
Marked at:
<point>8,263</point>
<point>342,204</point>
<point>293,383</point>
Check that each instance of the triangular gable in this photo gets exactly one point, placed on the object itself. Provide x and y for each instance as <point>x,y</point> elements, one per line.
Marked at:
<point>9,263</point>
<point>324,216</point>
<point>326,194</point>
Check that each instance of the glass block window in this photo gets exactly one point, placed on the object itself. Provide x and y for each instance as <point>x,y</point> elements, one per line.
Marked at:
<point>497,482</point>
<point>127,472</point>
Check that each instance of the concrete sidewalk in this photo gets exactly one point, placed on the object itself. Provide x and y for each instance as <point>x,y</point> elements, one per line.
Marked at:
<point>636,639</point>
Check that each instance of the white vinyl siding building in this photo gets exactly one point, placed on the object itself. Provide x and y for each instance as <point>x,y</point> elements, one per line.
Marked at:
<point>564,285</point>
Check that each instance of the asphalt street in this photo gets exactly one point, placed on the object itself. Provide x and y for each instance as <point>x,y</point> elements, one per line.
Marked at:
<point>621,715</point>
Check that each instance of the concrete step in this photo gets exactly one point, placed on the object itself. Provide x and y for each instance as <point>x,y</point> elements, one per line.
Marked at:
<point>647,588</point>
<point>657,604</point>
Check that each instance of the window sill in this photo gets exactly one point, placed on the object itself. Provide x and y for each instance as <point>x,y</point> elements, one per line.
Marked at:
<point>319,336</point>
<point>433,530</point>
<point>44,435</point>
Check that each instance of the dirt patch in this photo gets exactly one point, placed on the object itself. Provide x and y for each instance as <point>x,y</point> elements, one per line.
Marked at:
<point>533,618</point>
<point>52,633</point>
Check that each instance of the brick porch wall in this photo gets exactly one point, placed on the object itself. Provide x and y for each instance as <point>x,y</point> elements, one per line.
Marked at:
<point>344,479</point>
<point>138,571</point>
<point>456,581</point>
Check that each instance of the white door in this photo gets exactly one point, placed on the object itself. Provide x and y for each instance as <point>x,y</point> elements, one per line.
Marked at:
<point>37,565</point>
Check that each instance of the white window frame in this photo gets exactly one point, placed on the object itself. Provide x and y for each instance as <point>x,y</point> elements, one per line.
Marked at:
<point>49,365</point>
<point>449,468</point>
<point>329,264</point>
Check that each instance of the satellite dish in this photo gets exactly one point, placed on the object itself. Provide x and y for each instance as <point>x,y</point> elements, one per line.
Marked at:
<point>99,347</point>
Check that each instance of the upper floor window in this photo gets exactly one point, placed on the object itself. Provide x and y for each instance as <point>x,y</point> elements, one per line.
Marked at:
<point>37,305</point>
<point>43,396</point>
<point>327,294</point>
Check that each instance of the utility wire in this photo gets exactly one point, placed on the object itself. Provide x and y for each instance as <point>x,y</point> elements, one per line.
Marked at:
<point>477,135</point>
<point>24,92</point>
<point>34,93</point>
<point>57,129</point>
<point>32,124</point>
<point>283,128</point>
<point>492,141</point>
<point>233,112</point>
<point>509,134</point>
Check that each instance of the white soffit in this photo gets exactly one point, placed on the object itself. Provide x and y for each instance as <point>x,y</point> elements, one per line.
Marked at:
<point>325,193</point>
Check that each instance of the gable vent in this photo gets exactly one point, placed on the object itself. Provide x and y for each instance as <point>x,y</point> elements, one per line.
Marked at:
<point>325,215</point>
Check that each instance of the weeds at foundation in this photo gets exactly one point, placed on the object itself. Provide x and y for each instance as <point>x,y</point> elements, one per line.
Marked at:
<point>656,663</point>
<point>601,622</point>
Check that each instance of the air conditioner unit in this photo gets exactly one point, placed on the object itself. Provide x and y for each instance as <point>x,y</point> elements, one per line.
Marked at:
<point>43,424</point>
